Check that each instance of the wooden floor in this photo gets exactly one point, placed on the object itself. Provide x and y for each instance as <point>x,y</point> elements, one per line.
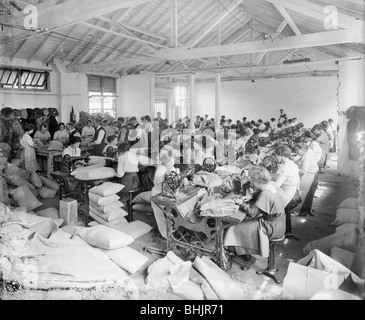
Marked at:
<point>332,191</point>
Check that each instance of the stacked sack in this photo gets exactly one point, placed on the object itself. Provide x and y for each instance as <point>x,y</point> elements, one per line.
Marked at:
<point>24,188</point>
<point>142,203</point>
<point>105,207</point>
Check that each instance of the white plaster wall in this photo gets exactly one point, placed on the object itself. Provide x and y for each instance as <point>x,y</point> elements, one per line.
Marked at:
<point>311,100</point>
<point>136,96</point>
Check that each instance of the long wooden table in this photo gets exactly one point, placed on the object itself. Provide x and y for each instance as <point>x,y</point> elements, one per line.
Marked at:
<point>53,156</point>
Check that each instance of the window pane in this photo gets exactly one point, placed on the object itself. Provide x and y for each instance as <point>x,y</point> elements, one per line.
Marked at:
<point>109,85</point>
<point>94,83</point>
<point>30,78</point>
<point>4,78</point>
<point>35,79</point>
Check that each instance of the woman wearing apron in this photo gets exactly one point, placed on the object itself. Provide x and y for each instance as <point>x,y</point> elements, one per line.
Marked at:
<point>29,155</point>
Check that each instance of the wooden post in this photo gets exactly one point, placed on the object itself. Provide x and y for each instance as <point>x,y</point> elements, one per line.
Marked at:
<point>217,101</point>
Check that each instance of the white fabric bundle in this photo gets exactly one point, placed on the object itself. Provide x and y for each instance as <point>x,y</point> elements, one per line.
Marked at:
<point>102,201</point>
<point>107,189</point>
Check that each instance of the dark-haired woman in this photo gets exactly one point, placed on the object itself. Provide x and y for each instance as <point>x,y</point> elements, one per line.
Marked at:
<point>61,134</point>
<point>127,169</point>
<point>29,156</point>
<point>73,150</point>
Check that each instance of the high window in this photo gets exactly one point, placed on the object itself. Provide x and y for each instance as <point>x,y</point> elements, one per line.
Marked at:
<point>102,95</point>
<point>24,79</point>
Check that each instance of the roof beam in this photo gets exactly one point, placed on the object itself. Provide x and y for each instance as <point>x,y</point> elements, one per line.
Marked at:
<point>288,18</point>
<point>354,6</point>
<point>38,49</point>
<point>278,31</point>
<point>59,45</point>
<point>316,11</point>
<point>18,50</point>
<point>173,24</point>
<point>146,32</point>
<point>71,11</point>
<point>192,42</point>
<point>123,35</point>
<point>303,41</point>
<point>293,42</point>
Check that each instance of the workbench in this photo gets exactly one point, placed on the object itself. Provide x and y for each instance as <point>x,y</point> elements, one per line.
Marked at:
<point>55,156</point>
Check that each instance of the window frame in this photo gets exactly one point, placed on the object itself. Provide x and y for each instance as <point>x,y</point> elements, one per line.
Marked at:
<point>18,84</point>
<point>103,95</point>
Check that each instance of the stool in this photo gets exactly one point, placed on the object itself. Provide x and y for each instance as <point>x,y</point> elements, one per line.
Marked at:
<point>130,199</point>
<point>271,271</point>
<point>288,230</point>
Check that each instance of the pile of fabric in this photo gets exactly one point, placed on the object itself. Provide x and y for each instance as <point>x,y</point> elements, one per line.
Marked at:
<point>20,188</point>
<point>200,280</point>
<point>36,253</point>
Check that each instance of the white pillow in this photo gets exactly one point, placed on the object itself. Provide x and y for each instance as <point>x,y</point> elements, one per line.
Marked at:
<point>102,201</point>
<point>145,208</point>
<point>95,174</point>
<point>107,238</point>
<point>350,203</point>
<point>111,224</point>
<point>344,215</point>
<point>108,207</point>
<point>113,215</point>
<point>345,238</point>
<point>107,189</point>
<point>51,213</point>
<point>127,258</point>
<point>136,229</point>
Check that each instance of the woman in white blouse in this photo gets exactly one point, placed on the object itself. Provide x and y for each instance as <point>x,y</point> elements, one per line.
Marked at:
<point>61,134</point>
<point>167,163</point>
<point>127,170</point>
<point>28,145</point>
<point>73,149</point>
<point>287,177</point>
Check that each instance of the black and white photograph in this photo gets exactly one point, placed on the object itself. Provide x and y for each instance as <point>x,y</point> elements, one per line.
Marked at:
<point>180,154</point>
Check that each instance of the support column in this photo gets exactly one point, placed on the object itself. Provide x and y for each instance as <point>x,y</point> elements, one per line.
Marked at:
<point>192,107</point>
<point>217,101</point>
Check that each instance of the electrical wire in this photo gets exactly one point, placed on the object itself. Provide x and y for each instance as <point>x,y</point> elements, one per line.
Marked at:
<point>82,43</point>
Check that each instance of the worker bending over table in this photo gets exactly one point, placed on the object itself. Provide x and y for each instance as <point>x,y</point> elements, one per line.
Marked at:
<point>265,217</point>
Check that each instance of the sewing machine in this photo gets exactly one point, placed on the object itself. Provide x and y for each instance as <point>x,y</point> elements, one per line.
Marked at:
<point>69,164</point>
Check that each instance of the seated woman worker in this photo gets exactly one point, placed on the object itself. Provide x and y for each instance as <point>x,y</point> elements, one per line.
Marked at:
<point>127,169</point>
<point>265,218</point>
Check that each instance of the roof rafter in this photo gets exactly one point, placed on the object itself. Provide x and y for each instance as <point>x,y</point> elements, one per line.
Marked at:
<point>293,42</point>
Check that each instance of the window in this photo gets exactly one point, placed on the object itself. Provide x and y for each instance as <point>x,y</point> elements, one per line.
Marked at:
<point>182,101</point>
<point>102,95</point>
<point>22,79</point>
<point>161,106</point>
